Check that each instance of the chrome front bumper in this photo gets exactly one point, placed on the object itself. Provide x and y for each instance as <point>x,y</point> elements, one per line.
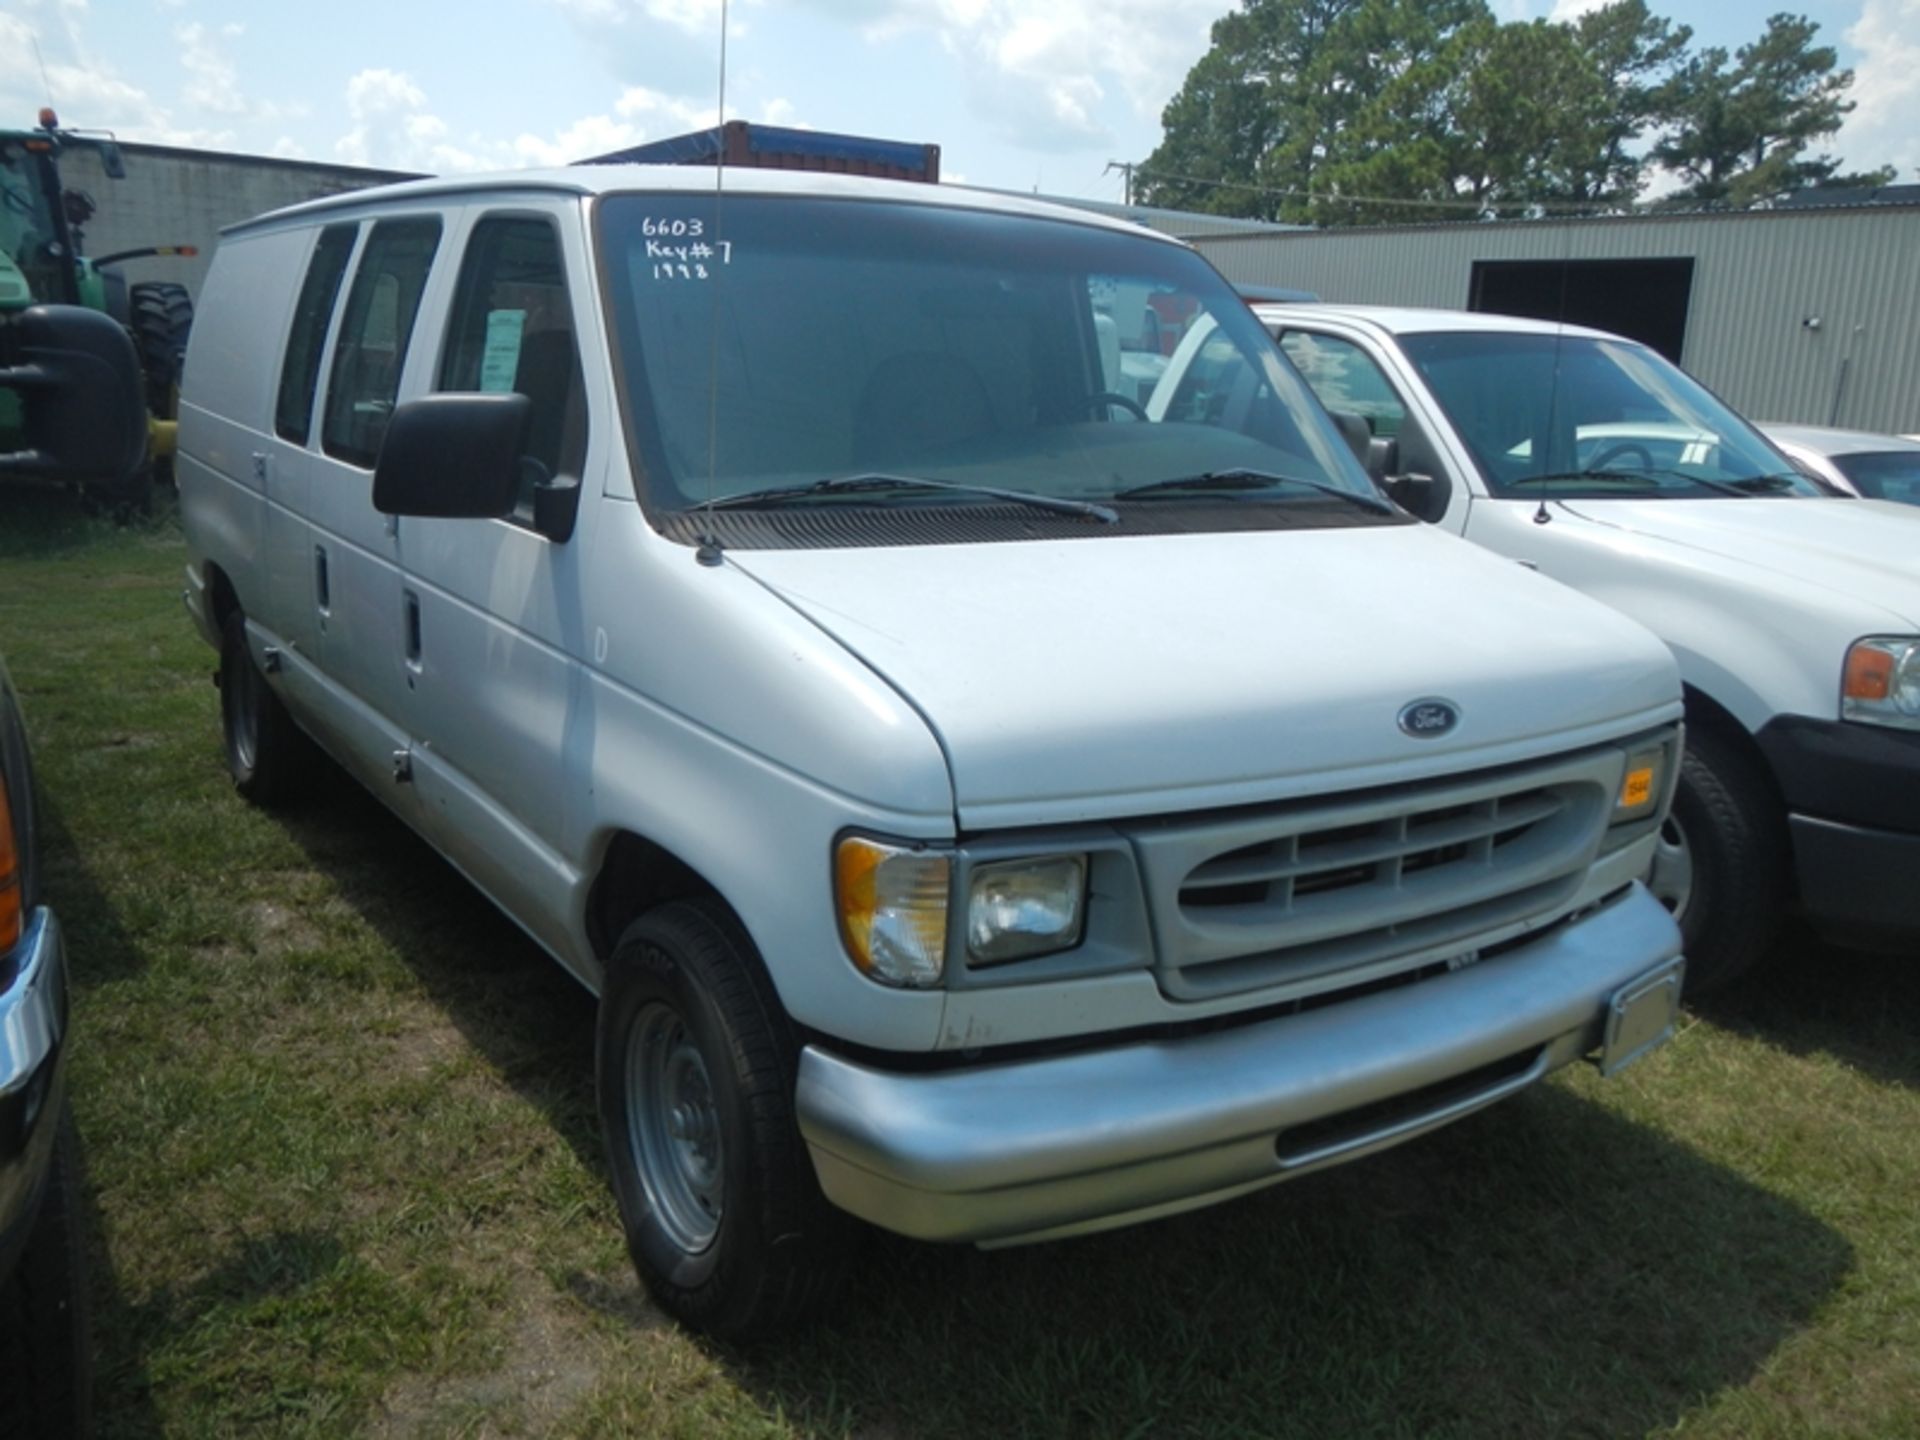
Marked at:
<point>1035,1149</point>
<point>33,1008</point>
<point>33,1026</point>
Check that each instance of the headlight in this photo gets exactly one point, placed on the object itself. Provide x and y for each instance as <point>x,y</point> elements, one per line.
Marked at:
<point>1882,682</point>
<point>1642,787</point>
<point>892,901</point>
<point>1017,909</point>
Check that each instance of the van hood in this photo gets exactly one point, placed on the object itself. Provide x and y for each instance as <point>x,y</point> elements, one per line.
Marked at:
<point>1085,679</point>
<point>1866,549</point>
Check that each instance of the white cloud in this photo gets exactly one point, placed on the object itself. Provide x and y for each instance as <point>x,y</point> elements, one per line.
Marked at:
<point>1886,87</point>
<point>1565,11</point>
<point>212,81</point>
<point>86,91</point>
<point>1042,76</point>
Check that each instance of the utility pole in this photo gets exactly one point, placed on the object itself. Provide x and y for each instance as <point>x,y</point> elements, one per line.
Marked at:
<point>1125,167</point>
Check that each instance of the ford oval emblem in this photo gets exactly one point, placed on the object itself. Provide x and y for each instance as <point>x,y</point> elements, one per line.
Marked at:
<point>1429,719</point>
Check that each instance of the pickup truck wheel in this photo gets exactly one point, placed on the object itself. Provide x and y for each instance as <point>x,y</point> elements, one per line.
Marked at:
<point>45,1357</point>
<point>695,1065</point>
<point>267,754</point>
<point>1721,866</point>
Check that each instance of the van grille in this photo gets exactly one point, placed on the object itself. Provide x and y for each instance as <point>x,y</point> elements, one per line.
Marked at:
<point>1319,894</point>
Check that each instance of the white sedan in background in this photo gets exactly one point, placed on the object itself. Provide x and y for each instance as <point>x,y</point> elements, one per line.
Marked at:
<point>1876,467</point>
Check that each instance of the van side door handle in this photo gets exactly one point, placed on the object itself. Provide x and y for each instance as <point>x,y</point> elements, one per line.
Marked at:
<point>413,631</point>
<point>322,587</point>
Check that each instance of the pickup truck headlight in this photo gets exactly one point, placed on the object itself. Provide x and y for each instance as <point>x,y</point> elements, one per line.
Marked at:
<point>892,901</point>
<point>1882,682</point>
<point>1017,909</point>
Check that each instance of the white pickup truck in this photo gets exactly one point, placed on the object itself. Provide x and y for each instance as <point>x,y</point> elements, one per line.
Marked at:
<point>1795,616</point>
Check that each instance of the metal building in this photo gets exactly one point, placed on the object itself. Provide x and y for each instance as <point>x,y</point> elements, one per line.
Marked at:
<point>1805,313</point>
<point>183,197</point>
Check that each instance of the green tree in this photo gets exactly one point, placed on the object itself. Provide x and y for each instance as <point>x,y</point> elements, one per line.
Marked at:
<point>1492,123</point>
<point>1743,127</point>
<point>1271,103</point>
<point>1633,53</point>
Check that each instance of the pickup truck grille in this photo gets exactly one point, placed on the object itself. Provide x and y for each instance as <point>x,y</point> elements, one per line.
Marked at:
<point>1318,894</point>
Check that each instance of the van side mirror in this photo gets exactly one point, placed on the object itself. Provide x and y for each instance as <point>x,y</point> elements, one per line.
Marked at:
<point>1359,434</point>
<point>452,456</point>
<point>83,407</point>
<point>556,504</point>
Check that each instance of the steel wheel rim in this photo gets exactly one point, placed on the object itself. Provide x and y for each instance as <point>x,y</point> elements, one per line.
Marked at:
<point>673,1127</point>
<point>1671,879</point>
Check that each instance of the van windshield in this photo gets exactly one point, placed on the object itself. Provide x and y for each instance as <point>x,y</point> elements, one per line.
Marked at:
<point>833,353</point>
<point>1572,415</point>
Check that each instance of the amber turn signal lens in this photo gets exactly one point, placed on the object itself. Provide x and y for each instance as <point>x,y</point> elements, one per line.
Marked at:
<point>1869,674</point>
<point>892,901</point>
<point>1637,789</point>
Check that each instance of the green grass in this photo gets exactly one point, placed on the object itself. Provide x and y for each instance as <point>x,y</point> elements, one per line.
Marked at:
<point>343,1172</point>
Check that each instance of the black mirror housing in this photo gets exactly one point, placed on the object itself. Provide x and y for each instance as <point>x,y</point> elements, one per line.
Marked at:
<point>84,411</point>
<point>1358,434</point>
<point>111,161</point>
<point>556,504</point>
<point>1383,458</point>
<point>452,456</point>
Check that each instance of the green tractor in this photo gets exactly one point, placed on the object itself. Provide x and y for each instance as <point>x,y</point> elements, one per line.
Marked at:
<point>42,265</point>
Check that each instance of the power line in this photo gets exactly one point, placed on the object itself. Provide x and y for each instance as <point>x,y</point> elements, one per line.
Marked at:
<point>1324,198</point>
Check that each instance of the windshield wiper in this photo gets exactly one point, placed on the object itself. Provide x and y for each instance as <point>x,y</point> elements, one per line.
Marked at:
<point>1651,476</point>
<point>875,482</point>
<point>1240,479</point>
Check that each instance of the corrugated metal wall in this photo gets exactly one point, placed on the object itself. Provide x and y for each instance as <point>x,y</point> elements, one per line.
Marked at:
<point>1758,277</point>
<point>184,197</point>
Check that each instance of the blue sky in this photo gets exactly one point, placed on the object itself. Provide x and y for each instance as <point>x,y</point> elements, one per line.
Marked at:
<point>1021,94</point>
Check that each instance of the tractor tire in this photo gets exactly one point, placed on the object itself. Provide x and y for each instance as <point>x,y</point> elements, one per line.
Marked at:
<point>162,316</point>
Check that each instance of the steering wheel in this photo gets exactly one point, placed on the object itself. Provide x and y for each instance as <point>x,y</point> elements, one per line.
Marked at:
<point>1616,452</point>
<point>1113,397</point>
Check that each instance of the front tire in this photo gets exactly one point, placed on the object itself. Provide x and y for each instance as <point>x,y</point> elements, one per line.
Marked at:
<point>695,1065</point>
<point>1726,849</point>
<point>267,755</point>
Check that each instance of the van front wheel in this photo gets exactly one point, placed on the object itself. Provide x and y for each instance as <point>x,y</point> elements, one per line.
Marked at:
<point>695,1067</point>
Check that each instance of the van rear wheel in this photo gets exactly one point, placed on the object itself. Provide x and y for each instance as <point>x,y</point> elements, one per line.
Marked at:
<point>267,755</point>
<point>695,1066</point>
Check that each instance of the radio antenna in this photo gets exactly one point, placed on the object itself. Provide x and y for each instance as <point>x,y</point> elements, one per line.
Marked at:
<point>41,60</point>
<point>1544,459</point>
<point>709,551</point>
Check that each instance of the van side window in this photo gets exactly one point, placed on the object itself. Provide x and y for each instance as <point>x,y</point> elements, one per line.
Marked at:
<point>512,329</point>
<point>373,337</point>
<point>300,369</point>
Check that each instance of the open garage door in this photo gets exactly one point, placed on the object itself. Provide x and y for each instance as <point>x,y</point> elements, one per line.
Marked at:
<point>1644,299</point>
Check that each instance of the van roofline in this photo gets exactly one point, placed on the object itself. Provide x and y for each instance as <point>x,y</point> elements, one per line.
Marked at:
<point>594,180</point>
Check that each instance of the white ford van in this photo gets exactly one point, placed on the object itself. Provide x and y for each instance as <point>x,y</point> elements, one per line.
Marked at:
<point>1795,616</point>
<point>980,811</point>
